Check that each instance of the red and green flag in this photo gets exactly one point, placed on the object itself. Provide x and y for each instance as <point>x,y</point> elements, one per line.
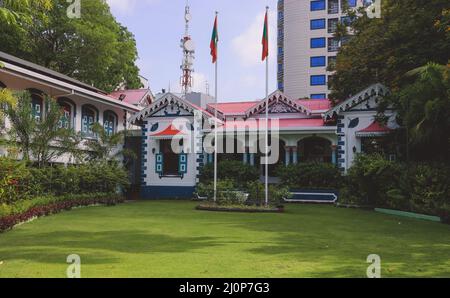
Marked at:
<point>214,41</point>
<point>265,39</point>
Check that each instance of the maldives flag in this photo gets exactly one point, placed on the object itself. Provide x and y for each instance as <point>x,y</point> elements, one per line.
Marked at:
<point>265,39</point>
<point>214,40</point>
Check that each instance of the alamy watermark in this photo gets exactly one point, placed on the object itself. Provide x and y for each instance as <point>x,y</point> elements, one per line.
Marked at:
<point>74,9</point>
<point>74,269</point>
<point>237,136</point>
<point>373,8</point>
<point>374,269</point>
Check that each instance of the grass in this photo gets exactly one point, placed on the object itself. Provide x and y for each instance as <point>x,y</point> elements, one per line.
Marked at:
<point>171,239</point>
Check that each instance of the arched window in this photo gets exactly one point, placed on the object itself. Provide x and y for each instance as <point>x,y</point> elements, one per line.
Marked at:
<point>37,104</point>
<point>68,116</point>
<point>110,121</point>
<point>89,116</point>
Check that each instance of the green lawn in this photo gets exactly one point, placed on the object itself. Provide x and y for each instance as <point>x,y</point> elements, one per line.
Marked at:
<point>171,239</point>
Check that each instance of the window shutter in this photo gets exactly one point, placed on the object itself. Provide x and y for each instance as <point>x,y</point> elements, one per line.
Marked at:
<point>159,163</point>
<point>182,164</point>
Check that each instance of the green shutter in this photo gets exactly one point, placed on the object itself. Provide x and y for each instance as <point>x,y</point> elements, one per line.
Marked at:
<point>159,163</point>
<point>182,164</point>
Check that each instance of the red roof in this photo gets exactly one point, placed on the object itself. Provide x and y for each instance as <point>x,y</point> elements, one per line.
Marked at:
<point>283,123</point>
<point>316,104</point>
<point>374,129</point>
<point>234,108</point>
<point>133,97</point>
<point>169,131</point>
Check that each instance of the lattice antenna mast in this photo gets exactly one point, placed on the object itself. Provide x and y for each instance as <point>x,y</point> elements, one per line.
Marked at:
<point>187,65</point>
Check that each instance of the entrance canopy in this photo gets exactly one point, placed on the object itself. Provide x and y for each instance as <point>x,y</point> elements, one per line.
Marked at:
<point>374,130</point>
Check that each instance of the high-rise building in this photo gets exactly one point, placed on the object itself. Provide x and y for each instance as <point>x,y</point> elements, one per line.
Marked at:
<point>307,46</point>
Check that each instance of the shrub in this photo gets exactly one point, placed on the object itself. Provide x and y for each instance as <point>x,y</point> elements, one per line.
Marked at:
<point>23,211</point>
<point>276,193</point>
<point>18,182</point>
<point>310,176</point>
<point>12,177</point>
<point>371,177</point>
<point>236,171</point>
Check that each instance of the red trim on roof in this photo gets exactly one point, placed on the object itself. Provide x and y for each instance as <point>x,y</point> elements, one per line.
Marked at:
<point>169,131</point>
<point>376,127</point>
<point>132,96</point>
<point>315,104</point>
<point>283,123</point>
<point>233,108</point>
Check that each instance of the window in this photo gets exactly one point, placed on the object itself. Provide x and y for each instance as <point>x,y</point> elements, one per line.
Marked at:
<point>280,15</point>
<point>347,21</point>
<point>280,50</point>
<point>318,61</point>
<point>110,122</point>
<point>89,116</point>
<point>330,79</point>
<point>332,25</point>
<point>317,5</point>
<point>66,118</point>
<point>352,3</point>
<point>37,106</point>
<point>280,67</point>
<point>333,44</point>
<point>331,63</point>
<point>317,24</point>
<point>317,42</point>
<point>318,80</point>
<point>318,96</point>
<point>333,6</point>
<point>280,86</point>
<point>348,3</point>
<point>169,159</point>
<point>345,40</point>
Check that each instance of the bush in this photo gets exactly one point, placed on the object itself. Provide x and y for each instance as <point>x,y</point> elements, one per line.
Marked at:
<point>371,178</point>
<point>420,188</point>
<point>12,177</point>
<point>22,211</point>
<point>19,182</point>
<point>310,176</point>
<point>277,193</point>
<point>236,171</point>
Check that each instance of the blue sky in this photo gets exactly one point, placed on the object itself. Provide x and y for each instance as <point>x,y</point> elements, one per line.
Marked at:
<point>158,26</point>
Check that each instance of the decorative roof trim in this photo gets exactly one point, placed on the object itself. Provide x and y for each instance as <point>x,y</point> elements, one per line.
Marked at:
<point>167,99</point>
<point>375,90</point>
<point>275,97</point>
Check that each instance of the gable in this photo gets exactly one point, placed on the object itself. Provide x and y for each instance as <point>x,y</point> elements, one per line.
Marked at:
<point>278,103</point>
<point>366,100</point>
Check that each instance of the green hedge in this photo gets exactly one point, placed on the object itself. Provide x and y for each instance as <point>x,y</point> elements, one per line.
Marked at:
<point>310,176</point>
<point>20,182</point>
<point>420,188</point>
<point>236,171</point>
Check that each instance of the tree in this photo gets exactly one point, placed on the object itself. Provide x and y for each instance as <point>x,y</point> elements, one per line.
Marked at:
<point>94,49</point>
<point>107,147</point>
<point>409,34</point>
<point>423,104</point>
<point>14,12</point>
<point>43,140</point>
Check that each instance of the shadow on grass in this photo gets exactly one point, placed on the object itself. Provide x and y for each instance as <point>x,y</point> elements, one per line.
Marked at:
<point>50,247</point>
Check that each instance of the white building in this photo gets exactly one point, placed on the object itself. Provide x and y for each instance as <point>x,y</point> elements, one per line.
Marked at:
<point>306,46</point>
<point>83,104</point>
<point>307,131</point>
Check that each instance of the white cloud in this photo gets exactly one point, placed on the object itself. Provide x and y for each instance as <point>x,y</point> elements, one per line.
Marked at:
<point>248,45</point>
<point>126,6</point>
<point>199,82</point>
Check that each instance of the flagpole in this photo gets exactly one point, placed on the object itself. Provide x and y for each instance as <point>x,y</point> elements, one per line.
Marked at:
<point>215,122</point>
<point>267,126</point>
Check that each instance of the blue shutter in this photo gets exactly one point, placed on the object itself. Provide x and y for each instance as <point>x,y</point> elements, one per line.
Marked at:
<point>159,163</point>
<point>182,165</point>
